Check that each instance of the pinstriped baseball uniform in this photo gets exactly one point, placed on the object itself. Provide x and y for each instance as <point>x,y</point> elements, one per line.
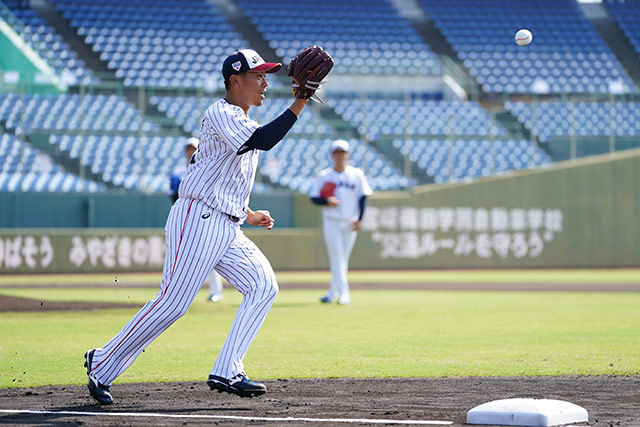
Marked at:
<point>201,236</point>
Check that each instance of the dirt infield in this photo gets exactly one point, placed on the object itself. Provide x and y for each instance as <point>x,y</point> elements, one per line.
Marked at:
<point>25,304</point>
<point>610,401</point>
<point>8,303</point>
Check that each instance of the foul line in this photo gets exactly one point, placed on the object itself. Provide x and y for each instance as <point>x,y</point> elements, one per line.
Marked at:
<point>228,417</point>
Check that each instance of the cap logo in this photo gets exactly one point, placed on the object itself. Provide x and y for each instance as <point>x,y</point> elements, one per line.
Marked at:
<point>236,65</point>
<point>252,57</point>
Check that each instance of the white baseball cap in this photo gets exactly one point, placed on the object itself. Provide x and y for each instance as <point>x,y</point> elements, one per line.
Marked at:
<point>339,145</point>
<point>192,142</point>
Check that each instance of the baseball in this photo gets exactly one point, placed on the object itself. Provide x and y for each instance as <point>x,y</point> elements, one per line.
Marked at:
<point>524,37</point>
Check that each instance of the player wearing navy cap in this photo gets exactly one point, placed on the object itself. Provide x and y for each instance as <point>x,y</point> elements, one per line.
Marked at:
<point>203,233</point>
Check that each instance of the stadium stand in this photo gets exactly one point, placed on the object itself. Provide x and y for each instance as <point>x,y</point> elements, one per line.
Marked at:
<point>295,162</point>
<point>164,43</point>
<point>364,37</point>
<point>462,159</point>
<point>47,43</point>
<point>581,118</point>
<point>384,117</point>
<point>481,33</point>
<point>627,14</point>
<point>24,168</point>
<point>135,163</point>
<point>188,111</point>
<point>580,128</point>
<point>28,113</point>
<point>163,52</point>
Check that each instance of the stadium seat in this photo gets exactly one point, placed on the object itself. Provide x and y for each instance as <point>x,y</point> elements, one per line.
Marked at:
<point>48,44</point>
<point>364,37</point>
<point>378,117</point>
<point>171,43</point>
<point>582,118</point>
<point>455,159</point>
<point>29,113</point>
<point>555,62</point>
<point>24,168</point>
<point>295,161</point>
<point>188,111</point>
<point>627,14</point>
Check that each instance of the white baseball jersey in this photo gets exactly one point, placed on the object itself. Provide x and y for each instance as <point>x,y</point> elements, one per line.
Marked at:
<point>220,178</point>
<point>351,185</point>
<point>201,237</point>
<point>339,236</point>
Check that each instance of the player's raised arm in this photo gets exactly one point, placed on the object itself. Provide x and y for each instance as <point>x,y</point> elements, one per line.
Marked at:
<point>307,71</point>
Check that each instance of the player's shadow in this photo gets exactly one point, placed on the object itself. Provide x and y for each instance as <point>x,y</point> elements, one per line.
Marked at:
<point>37,420</point>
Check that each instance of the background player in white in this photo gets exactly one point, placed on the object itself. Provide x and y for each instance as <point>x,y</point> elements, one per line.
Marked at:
<point>214,280</point>
<point>203,233</point>
<point>342,190</point>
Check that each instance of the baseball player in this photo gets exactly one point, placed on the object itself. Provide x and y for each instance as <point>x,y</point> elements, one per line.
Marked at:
<point>343,191</point>
<point>214,280</point>
<point>203,233</point>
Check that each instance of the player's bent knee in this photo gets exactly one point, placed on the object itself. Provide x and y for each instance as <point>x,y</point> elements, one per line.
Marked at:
<point>271,288</point>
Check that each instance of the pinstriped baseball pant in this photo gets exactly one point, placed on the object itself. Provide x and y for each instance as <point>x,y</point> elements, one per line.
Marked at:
<point>198,239</point>
<point>340,238</point>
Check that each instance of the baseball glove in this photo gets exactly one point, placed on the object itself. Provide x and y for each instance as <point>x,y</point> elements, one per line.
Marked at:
<point>328,189</point>
<point>307,69</point>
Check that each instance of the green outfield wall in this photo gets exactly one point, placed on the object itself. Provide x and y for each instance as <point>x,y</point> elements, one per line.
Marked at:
<point>579,214</point>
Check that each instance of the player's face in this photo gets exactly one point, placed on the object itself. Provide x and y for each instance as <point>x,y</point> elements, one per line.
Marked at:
<point>188,152</point>
<point>340,158</point>
<point>255,87</point>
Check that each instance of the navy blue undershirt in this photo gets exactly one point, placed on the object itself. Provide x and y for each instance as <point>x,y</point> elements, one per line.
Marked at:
<point>362,203</point>
<point>267,136</point>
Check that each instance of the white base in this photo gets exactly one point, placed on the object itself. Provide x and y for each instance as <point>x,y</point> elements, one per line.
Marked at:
<point>527,412</point>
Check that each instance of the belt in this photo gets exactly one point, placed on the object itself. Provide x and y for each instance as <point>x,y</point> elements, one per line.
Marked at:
<point>233,218</point>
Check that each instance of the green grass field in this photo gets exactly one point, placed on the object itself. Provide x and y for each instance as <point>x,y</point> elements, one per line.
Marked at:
<point>383,333</point>
<point>401,276</point>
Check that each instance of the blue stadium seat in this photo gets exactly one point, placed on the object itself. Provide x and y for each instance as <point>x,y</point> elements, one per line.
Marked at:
<point>28,113</point>
<point>24,168</point>
<point>188,111</point>
<point>580,118</point>
<point>49,45</point>
<point>364,37</point>
<point>455,159</point>
<point>294,162</point>
<point>386,116</point>
<point>159,38</point>
<point>133,162</point>
<point>627,14</point>
<point>555,62</point>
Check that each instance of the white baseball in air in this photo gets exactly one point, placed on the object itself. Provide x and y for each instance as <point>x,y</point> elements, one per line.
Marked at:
<point>524,37</point>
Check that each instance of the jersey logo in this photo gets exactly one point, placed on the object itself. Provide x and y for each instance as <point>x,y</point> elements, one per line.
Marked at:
<point>236,65</point>
<point>205,216</point>
<point>347,185</point>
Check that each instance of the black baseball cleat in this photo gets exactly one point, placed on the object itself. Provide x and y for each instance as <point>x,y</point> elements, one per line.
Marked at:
<point>240,385</point>
<point>98,391</point>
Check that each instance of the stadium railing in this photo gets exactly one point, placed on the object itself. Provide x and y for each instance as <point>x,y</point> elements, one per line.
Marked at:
<point>416,137</point>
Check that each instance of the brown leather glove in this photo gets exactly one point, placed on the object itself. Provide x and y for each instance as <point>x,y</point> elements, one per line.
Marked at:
<point>307,70</point>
